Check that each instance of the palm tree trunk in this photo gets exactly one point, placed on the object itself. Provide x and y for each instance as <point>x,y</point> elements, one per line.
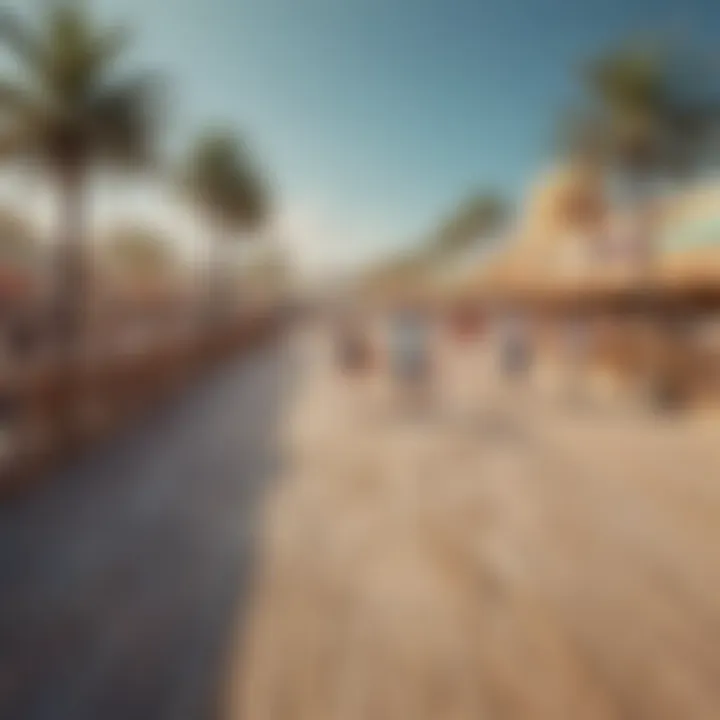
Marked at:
<point>70,304</point>
<point>71,278</point>
<point>218,279</point>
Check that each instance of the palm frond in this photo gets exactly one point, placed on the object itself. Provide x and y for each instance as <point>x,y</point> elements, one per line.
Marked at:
<point>121,120</point>
<point>70,70</point>
<point>631,78</point>
<point>20,39</point>
<point>252,192</point>
<point>477,216</point>
<point>222,178</point>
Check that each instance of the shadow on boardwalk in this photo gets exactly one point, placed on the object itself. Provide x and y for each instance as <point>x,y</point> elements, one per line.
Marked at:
<point>120,578</point>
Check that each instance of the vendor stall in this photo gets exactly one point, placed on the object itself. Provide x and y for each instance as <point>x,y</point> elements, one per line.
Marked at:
<point>650,318</point>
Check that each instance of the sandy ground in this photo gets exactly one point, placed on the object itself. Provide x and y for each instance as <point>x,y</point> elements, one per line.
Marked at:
<point>503,555</point>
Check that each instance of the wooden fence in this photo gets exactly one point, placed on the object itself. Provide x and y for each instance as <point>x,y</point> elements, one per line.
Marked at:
<point>50,411</point>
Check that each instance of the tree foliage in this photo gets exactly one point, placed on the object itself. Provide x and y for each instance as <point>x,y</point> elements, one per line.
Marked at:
<point>223,180</point>
<point>69,105</point>
<point>653,109</point>
<point>68,108</point>
<point>476,217</point>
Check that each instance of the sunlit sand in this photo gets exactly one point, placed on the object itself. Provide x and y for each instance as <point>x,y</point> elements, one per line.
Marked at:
<point>503,561</point>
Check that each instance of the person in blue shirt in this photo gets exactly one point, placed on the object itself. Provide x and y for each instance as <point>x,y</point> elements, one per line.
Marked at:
<point>409,345</point>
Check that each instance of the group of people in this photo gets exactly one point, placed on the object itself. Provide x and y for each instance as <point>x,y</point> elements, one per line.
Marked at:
<point>409,340</point>
<point>407,345</point>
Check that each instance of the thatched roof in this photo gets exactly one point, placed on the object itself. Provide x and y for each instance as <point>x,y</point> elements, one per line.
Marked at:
<point>546,259</point>
<point>568,199</point>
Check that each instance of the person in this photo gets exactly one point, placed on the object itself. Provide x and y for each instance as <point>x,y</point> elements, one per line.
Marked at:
<point>352,349</point>
<point>410,352</point>
<point>514,347</point>
<point>577,351</point>
<point>465,324</point>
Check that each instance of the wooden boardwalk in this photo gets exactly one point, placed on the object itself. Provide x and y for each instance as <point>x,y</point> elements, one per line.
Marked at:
<point>503,556</point>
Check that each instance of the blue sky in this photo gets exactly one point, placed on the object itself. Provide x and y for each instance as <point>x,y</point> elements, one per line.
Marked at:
<point>376,116</point>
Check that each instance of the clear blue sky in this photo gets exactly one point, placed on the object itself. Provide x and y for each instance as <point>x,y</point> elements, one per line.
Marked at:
<point>375,116</point>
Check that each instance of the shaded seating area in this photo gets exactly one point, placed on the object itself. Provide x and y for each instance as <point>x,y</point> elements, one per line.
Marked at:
<point>643,285</point>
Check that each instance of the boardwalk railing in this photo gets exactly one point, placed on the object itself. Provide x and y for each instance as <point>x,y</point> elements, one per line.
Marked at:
<point>52,411</point>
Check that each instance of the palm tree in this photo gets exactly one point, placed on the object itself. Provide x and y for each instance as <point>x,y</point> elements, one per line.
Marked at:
<point>228,189</point>
<point>629,89</point>
<point>476,217</point>
<point>69,110</point>
<point>653,113</point>
<point>470,223</point>
<point>658,111</point>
